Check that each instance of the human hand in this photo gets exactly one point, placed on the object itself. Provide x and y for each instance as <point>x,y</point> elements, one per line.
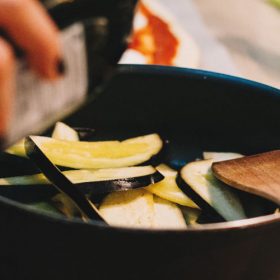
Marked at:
<point>29,26</point>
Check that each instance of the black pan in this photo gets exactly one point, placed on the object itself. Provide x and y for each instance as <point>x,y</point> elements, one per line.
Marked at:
<point>195,111</point>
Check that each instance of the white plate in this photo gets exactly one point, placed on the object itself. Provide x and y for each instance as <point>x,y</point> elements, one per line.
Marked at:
<point>187,53</point>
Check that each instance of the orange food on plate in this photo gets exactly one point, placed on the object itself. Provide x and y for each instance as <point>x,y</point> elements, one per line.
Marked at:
<point>155,40</point>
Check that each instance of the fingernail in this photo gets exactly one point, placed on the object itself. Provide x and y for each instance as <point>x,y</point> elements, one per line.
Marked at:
<point>61,67</point>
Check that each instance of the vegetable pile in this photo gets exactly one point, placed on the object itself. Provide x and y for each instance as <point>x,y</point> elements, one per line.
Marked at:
<point>127,193</point>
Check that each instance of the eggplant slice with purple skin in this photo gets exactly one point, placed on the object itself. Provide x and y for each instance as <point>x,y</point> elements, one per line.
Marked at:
<point>214,197</point>
<point>61,182</point>
<point>210,213</point>
<point>13,165</point>
<point>65,186</point>
<point>96,154</point>
<point>91,182</point>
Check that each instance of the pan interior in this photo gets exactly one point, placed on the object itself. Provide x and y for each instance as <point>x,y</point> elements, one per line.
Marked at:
<point>193,111</point>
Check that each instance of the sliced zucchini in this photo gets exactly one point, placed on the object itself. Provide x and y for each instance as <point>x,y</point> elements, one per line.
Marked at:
<point>168,189</point>
<point>201,185</point>
<point>133,208</point>
<point>94,181</point>
<point>64,132</point>
<point>167,215</point>
<point>93,155</point>
<point>217,156</point>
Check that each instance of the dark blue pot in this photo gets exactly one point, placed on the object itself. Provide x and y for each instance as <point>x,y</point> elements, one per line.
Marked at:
<point>196,111</point>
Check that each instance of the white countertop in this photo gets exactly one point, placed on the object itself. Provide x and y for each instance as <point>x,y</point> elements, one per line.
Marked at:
<point>239,37</point>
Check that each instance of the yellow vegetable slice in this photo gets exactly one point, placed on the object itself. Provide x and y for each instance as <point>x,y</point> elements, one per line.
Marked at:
<point>191,215</point>
<point>94,155</point>
<point>17,149</point>
<point>141,209</point>
<point>199,177</point>
<point>168,189</point>
<point>218,156</point>
<point>133,208</point>
<point>167,215</point>
<point>64,132</point>
<point>83,175</point>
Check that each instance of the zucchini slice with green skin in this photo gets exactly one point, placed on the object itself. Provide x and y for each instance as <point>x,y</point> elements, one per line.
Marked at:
<point>168,189</point>
<point>95,155</point>
<point>216,198</point>
<point>93,181</point>
<point>218,156</point>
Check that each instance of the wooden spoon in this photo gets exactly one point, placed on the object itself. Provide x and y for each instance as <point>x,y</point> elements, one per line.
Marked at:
<point>258,174</point>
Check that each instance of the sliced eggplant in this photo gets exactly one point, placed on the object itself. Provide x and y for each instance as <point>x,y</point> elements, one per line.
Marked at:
<point>93,155</point>
<point>61,132</point>
<point>168,189</point>
<point>140,209</point>
<point>218,156</point>
<point>17,149</point>
<point>91,181</point>
<point>61,182</point>
<point>64,132</point>
<point>198,182</point>
<point>167,215</point>
<point>166,170</point>
<point>133,208</point>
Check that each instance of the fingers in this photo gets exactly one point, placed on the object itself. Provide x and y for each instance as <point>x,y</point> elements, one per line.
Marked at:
<point>28,24</point>
<point>7,68</point>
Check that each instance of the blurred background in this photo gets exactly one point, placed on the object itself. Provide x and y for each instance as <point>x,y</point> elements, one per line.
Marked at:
<point>238,37</point>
